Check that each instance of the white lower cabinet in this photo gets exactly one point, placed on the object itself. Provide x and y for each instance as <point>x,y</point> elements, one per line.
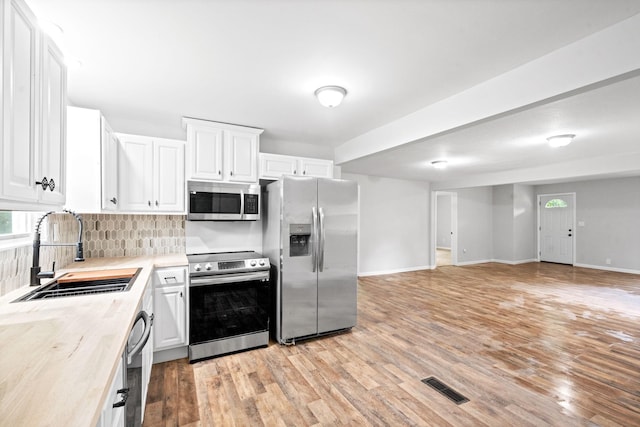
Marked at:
<point>170,304</point>
<point>114,416</point>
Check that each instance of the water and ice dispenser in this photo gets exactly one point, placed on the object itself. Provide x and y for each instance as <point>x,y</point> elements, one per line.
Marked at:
<point>299,240</point>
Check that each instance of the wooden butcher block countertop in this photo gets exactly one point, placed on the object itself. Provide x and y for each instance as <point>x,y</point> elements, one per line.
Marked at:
<point>58,357</point>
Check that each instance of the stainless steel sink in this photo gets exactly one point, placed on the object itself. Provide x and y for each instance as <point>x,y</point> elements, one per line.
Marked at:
<point>85,287</point>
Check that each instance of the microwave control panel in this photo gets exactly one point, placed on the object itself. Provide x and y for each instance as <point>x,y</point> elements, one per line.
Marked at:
<point>251,204</point>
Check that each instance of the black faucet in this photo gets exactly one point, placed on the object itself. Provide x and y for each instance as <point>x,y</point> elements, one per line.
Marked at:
<point>36,274</point>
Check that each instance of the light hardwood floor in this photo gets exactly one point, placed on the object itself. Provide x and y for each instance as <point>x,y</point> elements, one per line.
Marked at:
<point>530,345</point>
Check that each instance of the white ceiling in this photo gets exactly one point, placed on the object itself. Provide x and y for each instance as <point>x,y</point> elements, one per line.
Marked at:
<point>147,63</point>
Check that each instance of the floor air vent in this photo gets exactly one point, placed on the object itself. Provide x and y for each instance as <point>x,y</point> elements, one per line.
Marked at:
<point>444,389</point>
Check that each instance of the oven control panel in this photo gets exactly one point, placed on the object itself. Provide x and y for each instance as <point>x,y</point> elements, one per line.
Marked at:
<point>227,267</point>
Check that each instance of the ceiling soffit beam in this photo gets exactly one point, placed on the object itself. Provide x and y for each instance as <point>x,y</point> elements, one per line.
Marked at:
<point>575,170</point>
<point>603,55</point>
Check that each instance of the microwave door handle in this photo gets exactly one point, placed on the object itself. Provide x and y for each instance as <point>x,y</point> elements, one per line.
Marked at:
<point>314,237</point>
<point>321,241</point>
<point>242,204</point>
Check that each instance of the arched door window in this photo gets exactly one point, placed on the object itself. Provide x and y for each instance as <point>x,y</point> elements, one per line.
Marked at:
<point>555,203</point>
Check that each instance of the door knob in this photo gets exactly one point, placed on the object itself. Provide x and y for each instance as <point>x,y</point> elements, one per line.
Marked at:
<point>569,234</point>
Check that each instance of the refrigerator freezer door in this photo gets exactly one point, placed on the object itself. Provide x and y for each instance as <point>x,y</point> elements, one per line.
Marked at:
<point>338,280</point>
<point>298,289</point>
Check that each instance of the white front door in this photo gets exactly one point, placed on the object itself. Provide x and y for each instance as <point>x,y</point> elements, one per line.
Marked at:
<point>557,228</point>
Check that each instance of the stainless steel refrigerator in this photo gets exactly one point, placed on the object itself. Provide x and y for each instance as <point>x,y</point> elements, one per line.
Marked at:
<point>310,236</point>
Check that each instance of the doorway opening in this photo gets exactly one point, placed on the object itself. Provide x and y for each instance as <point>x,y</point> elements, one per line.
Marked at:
<point>556,228</point>
<point>444,228</point>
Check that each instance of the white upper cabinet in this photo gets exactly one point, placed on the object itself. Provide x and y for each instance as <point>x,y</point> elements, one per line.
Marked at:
<point>318,168</point>
<point>221,152</point>
<point>273,166</point>
<point>32,121</point>
<point>92,162</point>
<point>151,174</point>
<point>109,148</point>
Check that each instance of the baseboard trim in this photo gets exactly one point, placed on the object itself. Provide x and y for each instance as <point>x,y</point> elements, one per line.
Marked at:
<point>482,261</point>
<point>521,261</point>
<point>170,354</point>
<point>606,268</point>
<point>397,270</point>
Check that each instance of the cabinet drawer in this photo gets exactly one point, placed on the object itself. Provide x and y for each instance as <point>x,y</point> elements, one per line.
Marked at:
<point>169,276</point>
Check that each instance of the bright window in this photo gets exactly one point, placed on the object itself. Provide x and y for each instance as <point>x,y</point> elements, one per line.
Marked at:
<point>555,203</point>
<point>15,224</point>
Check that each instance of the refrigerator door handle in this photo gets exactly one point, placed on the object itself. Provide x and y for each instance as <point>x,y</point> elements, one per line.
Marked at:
<point>321,245</point>
<point>314,235</point>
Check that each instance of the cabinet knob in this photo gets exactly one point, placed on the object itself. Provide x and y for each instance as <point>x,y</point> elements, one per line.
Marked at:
<point>156,203</point>
<point>180,294</point>
<point>304,172</point>
<point>52,184</point>
<point>44,183</point>
<point>149,203</point>
<point>295,172</point>
<point>231,173</point>
<point>114,201</point>
<point>219,172</point>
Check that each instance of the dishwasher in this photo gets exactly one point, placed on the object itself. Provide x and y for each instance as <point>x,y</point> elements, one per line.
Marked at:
<point>135,372</point>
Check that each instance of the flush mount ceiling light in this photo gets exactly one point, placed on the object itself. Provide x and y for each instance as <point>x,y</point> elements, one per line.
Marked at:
<point>330,96</point>
<point>560,140</point>
<point>439,164</point>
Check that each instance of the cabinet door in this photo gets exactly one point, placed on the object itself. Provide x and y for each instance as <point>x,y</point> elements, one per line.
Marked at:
<point>20,99</point>
<point>53,122</point>
<point>316,168</point>
<point>241,156</point>
<point>109,166</point>
<point>135,177</point>
<point>168,163</point>
<point>169,328</point>
<point>273,166</point>
<point>205,153</point>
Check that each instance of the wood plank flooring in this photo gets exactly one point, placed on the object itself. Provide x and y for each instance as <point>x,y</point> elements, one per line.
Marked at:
<point>530,345</point>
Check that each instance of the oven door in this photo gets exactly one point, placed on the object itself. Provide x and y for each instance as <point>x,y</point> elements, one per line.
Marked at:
<point>228,313</point>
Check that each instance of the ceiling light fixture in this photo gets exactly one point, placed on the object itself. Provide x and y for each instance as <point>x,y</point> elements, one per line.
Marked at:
<point>439,164</point>
<point>560,140</point>
<point>330,96</point>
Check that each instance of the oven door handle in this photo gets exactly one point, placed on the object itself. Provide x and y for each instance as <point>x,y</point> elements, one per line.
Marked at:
<point>228,278</point>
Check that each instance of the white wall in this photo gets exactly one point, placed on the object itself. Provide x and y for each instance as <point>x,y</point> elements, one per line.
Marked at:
<point>514,221</point>
<point>394,224</point>
<point>525,220</point>
<point>610,212</point>
<point>295,149</point>
<point>443,221</point>
<point>475,225</point>
<point>503,238</point>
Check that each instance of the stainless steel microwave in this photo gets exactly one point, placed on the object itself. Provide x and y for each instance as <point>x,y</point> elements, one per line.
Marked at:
<point>212,201</point>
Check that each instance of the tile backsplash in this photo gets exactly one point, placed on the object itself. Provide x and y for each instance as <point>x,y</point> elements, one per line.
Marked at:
<point>104,235</point>
<point>111,235</point>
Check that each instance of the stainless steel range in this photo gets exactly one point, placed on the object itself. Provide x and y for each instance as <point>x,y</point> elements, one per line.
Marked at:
<point>229,297</point>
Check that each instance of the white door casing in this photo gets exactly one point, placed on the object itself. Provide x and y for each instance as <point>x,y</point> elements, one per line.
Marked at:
<point>556,227</point>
